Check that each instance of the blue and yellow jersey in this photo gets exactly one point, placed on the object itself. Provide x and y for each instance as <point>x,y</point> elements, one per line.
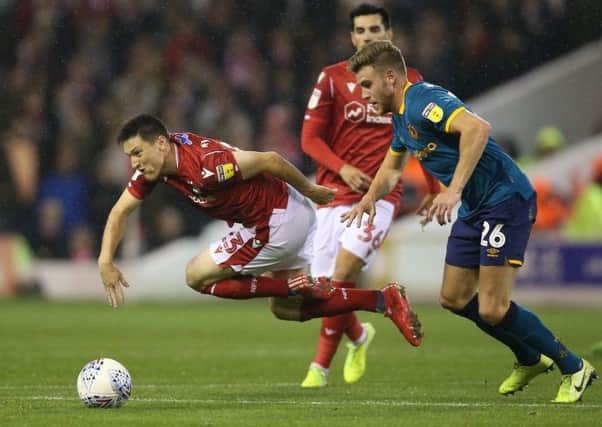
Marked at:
<point>422,126</point>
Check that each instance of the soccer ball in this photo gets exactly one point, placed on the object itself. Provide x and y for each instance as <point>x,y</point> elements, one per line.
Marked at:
<point>104,383</point>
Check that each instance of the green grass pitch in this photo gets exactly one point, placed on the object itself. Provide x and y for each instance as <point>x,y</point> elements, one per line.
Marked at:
<point>232,364</point>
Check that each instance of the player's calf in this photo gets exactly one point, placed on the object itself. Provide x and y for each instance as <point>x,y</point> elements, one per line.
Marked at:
<point>286,308</point>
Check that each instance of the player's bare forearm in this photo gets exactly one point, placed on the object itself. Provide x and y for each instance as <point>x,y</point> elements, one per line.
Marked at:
<point>384,182</point>
<point>283,169</point>
<point>387,177</point>
<point>252,163</point>
<point>474,134</point>
<point>115,227</point>
<point>112,235</point>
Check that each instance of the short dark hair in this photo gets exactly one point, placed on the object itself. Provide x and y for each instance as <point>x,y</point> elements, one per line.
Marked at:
<point>379,53</point>
<point>147,126</point>
<point>369,9</point>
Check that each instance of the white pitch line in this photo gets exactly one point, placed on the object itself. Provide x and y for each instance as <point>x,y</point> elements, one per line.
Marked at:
<point>149,386</point>
<point>388,403</point>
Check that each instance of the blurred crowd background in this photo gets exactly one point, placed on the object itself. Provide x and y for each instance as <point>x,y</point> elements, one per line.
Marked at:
<point>71,71</point>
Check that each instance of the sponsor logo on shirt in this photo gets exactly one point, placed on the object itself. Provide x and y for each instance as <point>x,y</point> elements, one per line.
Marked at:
<point>355,112</point>
<point>433,112</point>
<point>426,151</point>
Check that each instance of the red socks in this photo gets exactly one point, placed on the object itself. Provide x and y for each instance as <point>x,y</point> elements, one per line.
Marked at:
<point>245,287</point>
<point>332,330</point>
<point>343,301</point>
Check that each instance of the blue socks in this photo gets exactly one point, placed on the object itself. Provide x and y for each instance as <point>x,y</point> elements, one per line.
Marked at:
<point>525,355</point>
<point>527,327</point>
<point>525,335</point>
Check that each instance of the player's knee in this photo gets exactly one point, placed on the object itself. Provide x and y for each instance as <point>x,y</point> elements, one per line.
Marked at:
<point>492,315</point>
<point>451,304</point>
<point>194,279</point>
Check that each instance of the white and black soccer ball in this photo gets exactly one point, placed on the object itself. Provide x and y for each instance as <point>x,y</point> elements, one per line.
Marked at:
<point>104,383</point>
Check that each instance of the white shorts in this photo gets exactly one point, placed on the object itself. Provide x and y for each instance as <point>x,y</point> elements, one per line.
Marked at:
<point>332,234</point>
<point>285,243</point>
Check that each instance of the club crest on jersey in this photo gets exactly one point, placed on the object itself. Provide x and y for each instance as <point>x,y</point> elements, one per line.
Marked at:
<point>426,151</point>
<point>433,112</point>
<point>413,132</point>
<point>183,139</point>
<point>225,172</point>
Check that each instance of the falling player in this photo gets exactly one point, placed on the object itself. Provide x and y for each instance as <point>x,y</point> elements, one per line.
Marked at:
<point>266,195</point>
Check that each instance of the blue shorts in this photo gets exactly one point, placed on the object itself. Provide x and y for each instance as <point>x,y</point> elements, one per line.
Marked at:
<point>496,235</point>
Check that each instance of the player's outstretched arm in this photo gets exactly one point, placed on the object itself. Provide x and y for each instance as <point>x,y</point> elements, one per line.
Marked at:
<point>112,278</point>
<point>384,182</point>
<point>252,163</point>
<point>474,134</point>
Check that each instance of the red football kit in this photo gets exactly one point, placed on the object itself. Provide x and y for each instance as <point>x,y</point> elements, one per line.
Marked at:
<point>338,120</point>
<point>340,128</point>
<point>278,224</point>
<point>209,177</point>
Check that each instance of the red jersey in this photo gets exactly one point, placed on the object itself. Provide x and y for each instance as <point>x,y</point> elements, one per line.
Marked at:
<point>351,128</point>
<point>210,179</point>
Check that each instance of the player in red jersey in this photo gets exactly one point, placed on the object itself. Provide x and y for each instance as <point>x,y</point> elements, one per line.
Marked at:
<point>262,192</point>
<point>349,141</point>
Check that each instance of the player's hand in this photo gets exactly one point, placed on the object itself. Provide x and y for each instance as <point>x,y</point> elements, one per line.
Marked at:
<point>442,206</point>
<point>114,283</point>
<point>366,205</point>
<point>321,195</point>
<point>357,180</point>
<point>422,210</point>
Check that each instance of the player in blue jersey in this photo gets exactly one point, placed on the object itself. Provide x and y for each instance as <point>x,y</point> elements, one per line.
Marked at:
<point>498,207</point>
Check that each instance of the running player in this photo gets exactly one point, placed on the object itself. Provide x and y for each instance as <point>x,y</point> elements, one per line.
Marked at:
<point>262,192</point>
<point>349,141</point>
<point>498,208</point>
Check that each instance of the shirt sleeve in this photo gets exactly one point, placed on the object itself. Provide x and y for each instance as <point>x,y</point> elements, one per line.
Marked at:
<point>434,108</point>
<point>317,118</point>
<point>220,170</point>
<point>321,100</point>
<point>140,187</point>
<point>397,148</point>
